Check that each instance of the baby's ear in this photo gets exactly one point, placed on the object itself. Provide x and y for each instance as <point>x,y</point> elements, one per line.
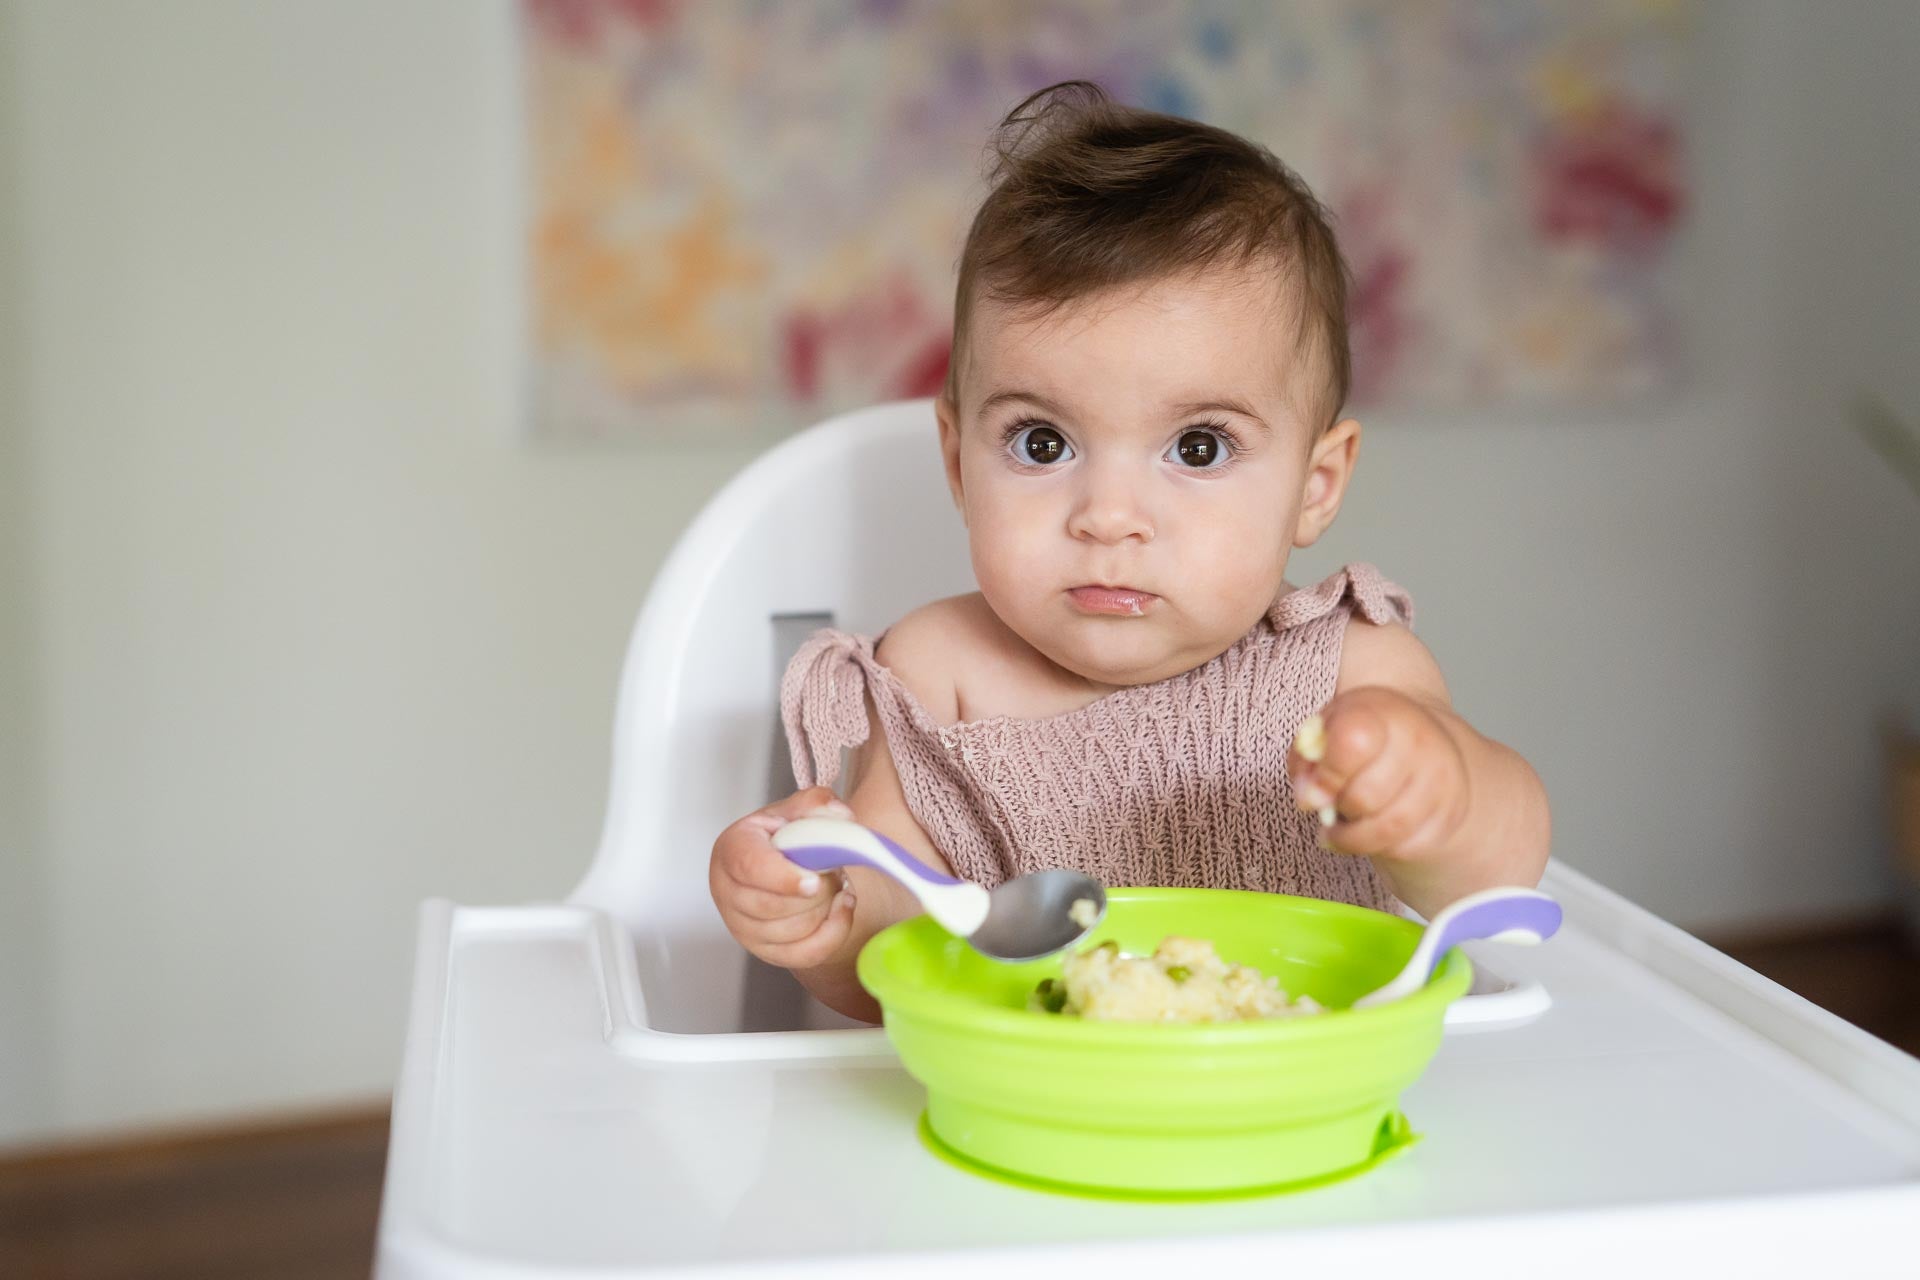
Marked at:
<point>949,415</point>
<point>1330,464</point>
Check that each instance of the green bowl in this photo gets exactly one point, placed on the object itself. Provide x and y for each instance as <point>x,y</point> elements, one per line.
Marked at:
<point>1169,1109</point>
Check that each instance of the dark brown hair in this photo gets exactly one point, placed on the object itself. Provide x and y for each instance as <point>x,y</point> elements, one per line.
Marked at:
<point>1088,194</point>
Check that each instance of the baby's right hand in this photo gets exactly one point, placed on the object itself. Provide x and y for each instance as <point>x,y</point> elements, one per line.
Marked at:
<point>781,912</point>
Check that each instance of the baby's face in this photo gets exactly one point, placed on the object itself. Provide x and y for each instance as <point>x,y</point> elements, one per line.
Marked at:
<point>1133,470</point>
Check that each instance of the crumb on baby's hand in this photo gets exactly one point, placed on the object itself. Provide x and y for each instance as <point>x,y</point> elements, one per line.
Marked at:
<point>1311,740</point>
<point>1311,743</point>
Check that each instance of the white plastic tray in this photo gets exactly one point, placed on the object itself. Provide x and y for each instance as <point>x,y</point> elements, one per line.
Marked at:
<point>1673,1111</point>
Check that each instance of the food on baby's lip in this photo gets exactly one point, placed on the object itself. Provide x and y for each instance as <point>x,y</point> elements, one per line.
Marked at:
<point>1184,980</point>
<point>1311,742</point>
<point>1084,912</point>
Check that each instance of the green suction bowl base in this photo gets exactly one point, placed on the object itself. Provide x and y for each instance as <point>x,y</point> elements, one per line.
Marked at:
<point>1391,1136</point>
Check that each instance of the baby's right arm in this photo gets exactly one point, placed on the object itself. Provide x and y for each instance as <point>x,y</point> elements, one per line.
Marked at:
<point>816,924</point>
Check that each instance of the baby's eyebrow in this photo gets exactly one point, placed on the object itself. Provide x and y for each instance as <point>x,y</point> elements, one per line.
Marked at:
<point>1221,406</point>
<point>1039,402</point>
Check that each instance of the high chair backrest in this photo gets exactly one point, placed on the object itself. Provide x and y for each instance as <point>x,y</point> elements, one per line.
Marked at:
<point>848,522</point>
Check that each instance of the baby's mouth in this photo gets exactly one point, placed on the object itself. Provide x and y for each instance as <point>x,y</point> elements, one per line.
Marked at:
<point>1119,602</point>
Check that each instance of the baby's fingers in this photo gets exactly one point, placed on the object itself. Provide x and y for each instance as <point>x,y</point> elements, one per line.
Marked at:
<point>817,945</point>
<point>1333,747</point>
<point>761,906</point>
<point>1376,787</point>
<point>744,853</point>
<point>1407,823</point>
<point>1357,735</point>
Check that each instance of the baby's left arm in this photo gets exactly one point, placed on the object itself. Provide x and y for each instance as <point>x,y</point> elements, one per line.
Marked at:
<point>1441,810</point>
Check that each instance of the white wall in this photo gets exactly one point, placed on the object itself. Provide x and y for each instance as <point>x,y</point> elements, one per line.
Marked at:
<point>313,633</point>
<point>1693,618</point>
<point>23,998</point>
<point>317,635</point>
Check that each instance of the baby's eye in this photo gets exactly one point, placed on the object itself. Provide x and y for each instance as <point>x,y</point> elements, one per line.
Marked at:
<point>1200,450</point>
<point>1041,446</point>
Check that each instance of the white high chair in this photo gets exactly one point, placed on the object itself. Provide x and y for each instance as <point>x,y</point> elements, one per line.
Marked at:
<point>848,524</point>
<point>606,1086</point>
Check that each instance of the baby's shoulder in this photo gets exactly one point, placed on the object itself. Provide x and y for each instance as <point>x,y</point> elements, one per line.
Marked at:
<point>929,648</point>
<point>1387,653</point>
<point>961,661</point>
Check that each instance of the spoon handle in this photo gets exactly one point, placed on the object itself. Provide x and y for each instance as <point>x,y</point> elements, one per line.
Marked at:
<point>1506,913</point>
<point>821,844</point>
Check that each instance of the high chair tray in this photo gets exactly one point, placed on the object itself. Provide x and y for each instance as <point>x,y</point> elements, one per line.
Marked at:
<point>1673,1110</point>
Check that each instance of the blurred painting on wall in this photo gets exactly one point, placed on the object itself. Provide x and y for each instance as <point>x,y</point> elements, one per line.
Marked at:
<point>745,216</point>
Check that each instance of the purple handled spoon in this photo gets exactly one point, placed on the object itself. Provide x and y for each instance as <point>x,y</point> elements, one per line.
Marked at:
<point>1026,918</point>
<point>1503,914</point>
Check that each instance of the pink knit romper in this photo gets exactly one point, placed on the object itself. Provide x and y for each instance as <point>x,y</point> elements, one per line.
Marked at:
<point>1181,783</point>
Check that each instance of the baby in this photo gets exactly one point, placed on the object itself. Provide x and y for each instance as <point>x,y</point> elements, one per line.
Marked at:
<point>1142,418</point>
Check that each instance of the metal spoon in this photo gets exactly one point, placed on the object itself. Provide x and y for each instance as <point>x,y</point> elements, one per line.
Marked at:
<point>1026,918</point>
<point>1503,914</point>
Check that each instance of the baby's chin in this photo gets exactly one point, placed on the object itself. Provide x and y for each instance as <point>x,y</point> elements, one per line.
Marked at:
<point>1124,651</point>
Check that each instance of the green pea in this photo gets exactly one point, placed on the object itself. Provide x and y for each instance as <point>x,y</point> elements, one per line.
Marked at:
<point>1179,972</point>
<point>1051,995</point>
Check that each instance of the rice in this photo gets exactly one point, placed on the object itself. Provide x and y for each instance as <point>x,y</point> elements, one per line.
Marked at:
<point>1184,980</point>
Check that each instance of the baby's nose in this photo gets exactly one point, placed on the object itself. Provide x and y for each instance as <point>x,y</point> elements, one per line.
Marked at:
<point>1110,512</point>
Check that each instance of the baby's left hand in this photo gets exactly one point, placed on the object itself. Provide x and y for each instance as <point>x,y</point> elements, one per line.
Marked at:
<point>1390,769</point>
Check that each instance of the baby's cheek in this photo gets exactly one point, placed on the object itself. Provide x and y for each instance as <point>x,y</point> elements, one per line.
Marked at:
<point>1011,571</point>
<point>1012,521</point>
<point>999,553</point>
<point>1238,572</point>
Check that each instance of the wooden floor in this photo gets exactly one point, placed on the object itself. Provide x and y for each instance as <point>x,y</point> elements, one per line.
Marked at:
<point>299,1201</point>
<point>1869,975</point>
<point>287,1202</point>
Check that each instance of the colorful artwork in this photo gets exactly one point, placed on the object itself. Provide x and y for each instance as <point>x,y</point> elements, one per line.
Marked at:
<point>745,215</point>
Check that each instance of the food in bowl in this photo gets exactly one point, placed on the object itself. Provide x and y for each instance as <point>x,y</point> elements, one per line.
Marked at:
<point>1184,980</point>
<point>1153,1109</point>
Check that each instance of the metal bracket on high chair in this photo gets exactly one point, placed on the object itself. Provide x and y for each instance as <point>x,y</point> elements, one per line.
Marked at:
<point>790,631</point>
<point>772,998</point>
